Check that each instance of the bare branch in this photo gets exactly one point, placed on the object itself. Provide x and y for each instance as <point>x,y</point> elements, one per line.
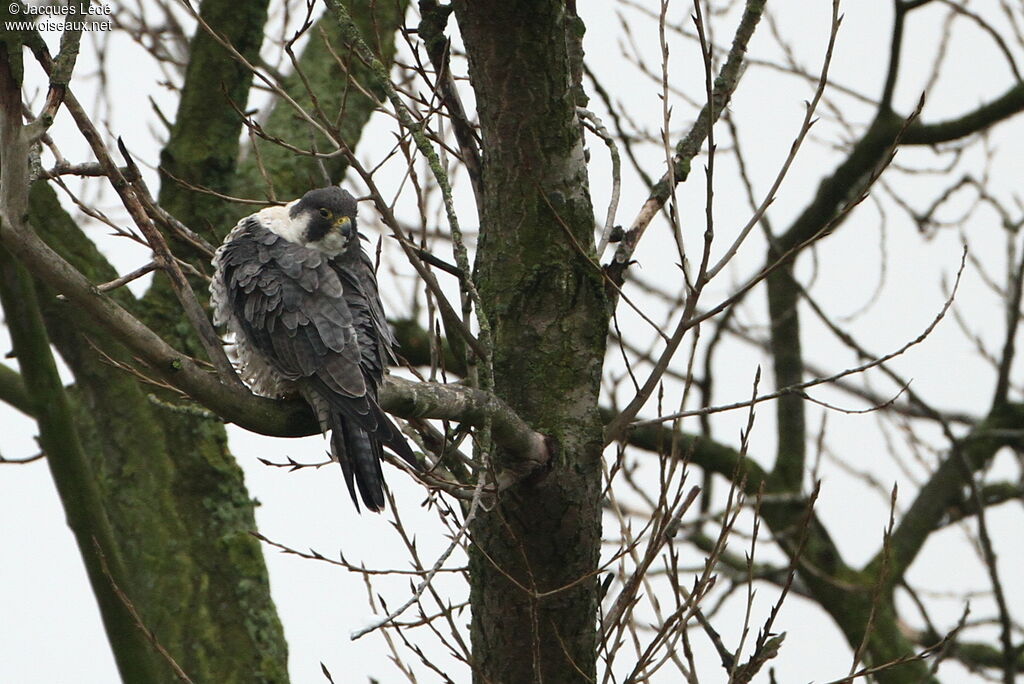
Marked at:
<point>236,405</point>
<point>689,147</point>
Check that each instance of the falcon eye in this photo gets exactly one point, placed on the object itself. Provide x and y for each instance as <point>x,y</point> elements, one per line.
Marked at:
<point>326,213</point>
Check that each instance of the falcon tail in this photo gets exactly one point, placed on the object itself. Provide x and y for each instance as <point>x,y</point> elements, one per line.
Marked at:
<point>359,453</point>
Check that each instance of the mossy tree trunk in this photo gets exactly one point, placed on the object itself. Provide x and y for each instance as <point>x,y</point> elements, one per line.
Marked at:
<point>178,510</point>
<point>342,87</point>
<point>173,494</point>
<point>533,594</point>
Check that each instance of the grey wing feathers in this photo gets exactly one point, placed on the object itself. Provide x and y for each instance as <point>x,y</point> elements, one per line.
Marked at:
<point>318,323</point>
<point>290,305</point>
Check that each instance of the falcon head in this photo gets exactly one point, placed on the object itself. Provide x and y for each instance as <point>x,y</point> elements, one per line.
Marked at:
<point>325,219</point>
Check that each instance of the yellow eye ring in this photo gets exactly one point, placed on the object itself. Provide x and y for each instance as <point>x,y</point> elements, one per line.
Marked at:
<point>326,213</point>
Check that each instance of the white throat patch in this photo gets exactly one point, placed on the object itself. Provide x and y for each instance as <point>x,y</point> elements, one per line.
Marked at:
<point>332,244</point>
<point>277,220</point>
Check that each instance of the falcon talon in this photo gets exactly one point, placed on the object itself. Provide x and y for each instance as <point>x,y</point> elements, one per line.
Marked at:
<point>298,293</point>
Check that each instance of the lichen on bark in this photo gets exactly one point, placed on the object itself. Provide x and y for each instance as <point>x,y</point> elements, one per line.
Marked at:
<point>547,309</point>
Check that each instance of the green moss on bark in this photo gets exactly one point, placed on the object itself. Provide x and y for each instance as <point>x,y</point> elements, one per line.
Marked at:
<point>148,498</point>
<point>548,314</point>
<point>98,541</point>
<point>340,106</point>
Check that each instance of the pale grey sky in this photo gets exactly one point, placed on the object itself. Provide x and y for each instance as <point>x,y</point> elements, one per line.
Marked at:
<point>51,633</point>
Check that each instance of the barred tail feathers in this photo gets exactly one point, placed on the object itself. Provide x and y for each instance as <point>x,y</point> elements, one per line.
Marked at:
<point>359,454</point>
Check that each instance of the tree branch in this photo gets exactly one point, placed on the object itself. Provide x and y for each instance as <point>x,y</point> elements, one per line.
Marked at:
<point>325,71</point>
<point>943,491</point>
<point>895,46</point>
<point>689,147</point>
<point>410,399</point>
<point>1005,106</point>
<point>13,390</point>
<point>282,418</point>
<point>68,464</point>
<point>161,251</point>
<point>843,592</point>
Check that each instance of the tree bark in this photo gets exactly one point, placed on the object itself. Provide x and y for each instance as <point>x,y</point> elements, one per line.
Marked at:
<point>174,496</point>
<point>533,591</point>
<point>47,401</point>
<point>343,108</point>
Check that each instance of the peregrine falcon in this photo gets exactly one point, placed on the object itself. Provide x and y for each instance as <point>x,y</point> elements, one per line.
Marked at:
<point>298,292</point>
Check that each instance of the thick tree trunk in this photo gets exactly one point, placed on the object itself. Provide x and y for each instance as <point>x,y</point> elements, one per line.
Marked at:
<point>533,593</point>
<point>173,494</point>
<point>46,400</point>
<point>346,106</point>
